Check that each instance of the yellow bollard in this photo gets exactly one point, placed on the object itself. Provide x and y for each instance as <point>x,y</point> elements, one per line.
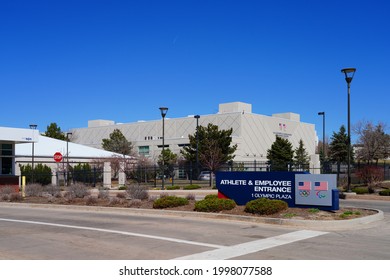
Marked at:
<point>23,186</point>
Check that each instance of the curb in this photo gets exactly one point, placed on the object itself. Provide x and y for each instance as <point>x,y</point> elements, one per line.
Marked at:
<point>328,225</point>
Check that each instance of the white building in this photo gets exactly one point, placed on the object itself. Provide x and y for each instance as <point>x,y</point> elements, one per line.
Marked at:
<point>253,133</point>
<point>22,146</point>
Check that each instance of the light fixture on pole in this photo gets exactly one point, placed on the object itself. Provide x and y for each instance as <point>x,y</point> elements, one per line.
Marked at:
<point>349,73</point>
<point>164,111</point>
<point>33,127</point>
<point>323,138</point>
<point>197,145</point>
<point>67,156</point>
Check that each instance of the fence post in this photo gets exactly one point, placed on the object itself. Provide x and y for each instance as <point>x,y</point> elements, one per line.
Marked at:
<point>107,175</point>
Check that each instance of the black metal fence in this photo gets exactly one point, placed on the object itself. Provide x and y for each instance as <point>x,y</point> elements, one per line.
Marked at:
<point>187,173</point>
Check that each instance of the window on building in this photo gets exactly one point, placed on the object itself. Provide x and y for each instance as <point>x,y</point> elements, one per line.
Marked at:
<point>6,159</point>
<point>143,151</point>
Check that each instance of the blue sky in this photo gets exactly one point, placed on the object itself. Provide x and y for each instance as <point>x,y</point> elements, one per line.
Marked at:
<point>73,61</point>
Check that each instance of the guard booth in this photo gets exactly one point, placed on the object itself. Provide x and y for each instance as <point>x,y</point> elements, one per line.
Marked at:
<point>8,138</point>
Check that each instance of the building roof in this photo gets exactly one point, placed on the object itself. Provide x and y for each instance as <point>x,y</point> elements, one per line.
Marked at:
<point>46,147</point>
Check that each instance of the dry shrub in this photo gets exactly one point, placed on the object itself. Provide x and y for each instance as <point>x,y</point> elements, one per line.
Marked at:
<point>15,197</point>
<point>115,201</point>
<point>35,190</point>
<point>53,190</point>
<point>7,190</point>
<point>78,191</point>
<point>136,203</point>
<point>103,194</point>
<point>90,200</point>
<point>137,192</point>
<point>121,195</point>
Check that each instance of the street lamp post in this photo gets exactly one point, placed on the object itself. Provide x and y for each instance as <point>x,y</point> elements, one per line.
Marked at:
<point>33,127</point>
<point>67,157</point>
<point>349,73</point>
<point>323,138</point>
<point>164,111</point>
<point>197,145</point>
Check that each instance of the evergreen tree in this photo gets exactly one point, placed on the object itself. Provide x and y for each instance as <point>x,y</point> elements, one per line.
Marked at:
<point>54,131</point>
<point>117,143</point>
<point>338,148</point>
<point>167,160</point>
<point>301,158</point>
<point>280,154</point>
<point>214,147</point>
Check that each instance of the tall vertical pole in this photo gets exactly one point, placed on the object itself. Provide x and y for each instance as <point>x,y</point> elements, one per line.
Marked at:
<point>163,114</point>
<point>67,157</point>
<point>349,73</point>
<point>163,157</point>
<point>33,127</point>
<point>197,145</point>
<point>349,137</point>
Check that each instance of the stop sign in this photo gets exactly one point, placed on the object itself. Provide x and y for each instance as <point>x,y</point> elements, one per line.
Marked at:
<point>57,156</point>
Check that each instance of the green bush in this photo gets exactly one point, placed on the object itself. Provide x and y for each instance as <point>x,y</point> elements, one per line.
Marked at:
<point>211,196</point>
<point>214,204</point>
<point>171,188</point>
<point>169,202</point>
<point>122,188</point>
<point>265,206</point>
<point>192,187</point>
<point>385,192</point>
<point>360,190</point>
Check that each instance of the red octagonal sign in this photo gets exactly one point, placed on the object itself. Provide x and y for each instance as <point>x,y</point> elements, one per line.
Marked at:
<point>57,156</point>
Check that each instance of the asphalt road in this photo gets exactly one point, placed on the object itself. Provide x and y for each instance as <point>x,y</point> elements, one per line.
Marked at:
<point>52,234</point>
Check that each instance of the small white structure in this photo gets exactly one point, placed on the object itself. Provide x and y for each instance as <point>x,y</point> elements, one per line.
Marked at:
<point>26,146</point>
<point>9,138</point>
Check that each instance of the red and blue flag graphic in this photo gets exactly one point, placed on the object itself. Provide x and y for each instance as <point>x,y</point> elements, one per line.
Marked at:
<point>304,186</point>
<point>320,186</point>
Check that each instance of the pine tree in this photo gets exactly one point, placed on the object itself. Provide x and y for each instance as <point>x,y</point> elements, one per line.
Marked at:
<point>54,131</point>
<point>280,154</point>
<point>214,147</point>
<point>301,158</point>
<point>117,143</point>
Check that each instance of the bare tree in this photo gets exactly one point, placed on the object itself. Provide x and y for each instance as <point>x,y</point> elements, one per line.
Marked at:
<point>373,143</point>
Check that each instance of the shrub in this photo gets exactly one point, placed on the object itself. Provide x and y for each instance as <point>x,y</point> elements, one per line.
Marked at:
<point>34,190</point>
<point>214,204</point>
<point>136,203</point>
<point>191,187</point>
<point>371,175</point>
<point>169,202</point>
<point>211,196</point>
<point>14,197</point>
<point>190,196</point>
<point>53,190</point>
<point>115,201</point>
<point>103,194</point>
<point>265,206</point>
<point>78,190</point>
<point>122,188</point>
<point>91,200</point>
<point>121,195</point>
<point>360,190</point>
<point>385,192</point>
<point>171,188</point>
<point>7,190</point>
<point>137,192</point>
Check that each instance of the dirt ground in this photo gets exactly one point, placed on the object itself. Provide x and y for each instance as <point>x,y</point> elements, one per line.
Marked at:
<point>290,213</point>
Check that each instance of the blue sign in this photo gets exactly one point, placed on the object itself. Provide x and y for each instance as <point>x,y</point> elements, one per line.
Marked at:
<point>296,188</point>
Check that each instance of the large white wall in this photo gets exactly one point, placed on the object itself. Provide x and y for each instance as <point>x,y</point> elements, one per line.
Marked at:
<point>253,133</point>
